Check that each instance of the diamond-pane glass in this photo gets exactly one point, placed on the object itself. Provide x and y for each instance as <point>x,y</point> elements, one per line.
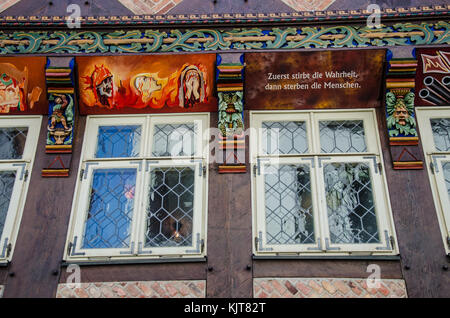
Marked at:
<point>12,142</point>
<point>110,209</point>
<point>342,136</point>
<point>174,140</point>
<point>351,210</point>
<point>284,137</point>
<point>441,133</point>
<point>118,141</point>
<point>171,207</point>
<point>289,212</point>
<point>6,187</point>
<point>446,168</point>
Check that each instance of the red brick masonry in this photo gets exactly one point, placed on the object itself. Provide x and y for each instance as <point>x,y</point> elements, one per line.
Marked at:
<point>327,288</point>
<point>141,289</point>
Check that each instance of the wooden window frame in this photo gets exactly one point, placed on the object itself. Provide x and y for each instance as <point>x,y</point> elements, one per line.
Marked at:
<point>23,168</point>
<point>372,157</point>
<point>143,164</point>
<point>434,160</point>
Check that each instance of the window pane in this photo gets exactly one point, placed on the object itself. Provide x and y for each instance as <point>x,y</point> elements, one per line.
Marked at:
<point>441,133</point>
<point>110,209</point>
<point>6,187</point>
<point>289,214</point>
<point>12,142</point>
<point>342,136</point>
<point>118,141</point>
<point>284,137</point>
<point>351,210</point>
<point>446,168</point>
<point>174,140</point>
<point>171,207</point>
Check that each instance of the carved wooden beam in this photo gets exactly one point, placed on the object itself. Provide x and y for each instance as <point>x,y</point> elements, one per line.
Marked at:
<point>401,122</point>
<point>230,90</point>
<point>61,116</point>
<point>196,40</point>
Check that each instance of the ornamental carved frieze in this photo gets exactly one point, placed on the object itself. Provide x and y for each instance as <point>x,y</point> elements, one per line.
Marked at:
<point>196,40</point>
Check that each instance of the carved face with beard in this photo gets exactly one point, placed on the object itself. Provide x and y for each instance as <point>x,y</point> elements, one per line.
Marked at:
<point>401,114</point>
<point>399,108</point>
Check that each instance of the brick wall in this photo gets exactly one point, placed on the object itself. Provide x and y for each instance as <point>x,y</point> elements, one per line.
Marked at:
<point>6,4</point>
<point>150,6</point>
<point>139,289</point>
<point>326,288</point>
<point>309,5</point>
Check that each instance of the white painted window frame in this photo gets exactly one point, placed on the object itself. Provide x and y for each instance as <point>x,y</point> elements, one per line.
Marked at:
<point>434,160</point>
<point>143,164</point>
<point>373,158</point>
<point>23,168</point>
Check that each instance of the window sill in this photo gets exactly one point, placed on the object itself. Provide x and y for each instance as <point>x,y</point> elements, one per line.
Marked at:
<point>329,257</point>
<point>133,261</point>
<point>4,263</point>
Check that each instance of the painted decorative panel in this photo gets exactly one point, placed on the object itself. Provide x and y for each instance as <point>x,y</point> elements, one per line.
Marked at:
<point>433,77</point>
<point>146,84</point>
<point>325,79</point>
<point>22,85</point>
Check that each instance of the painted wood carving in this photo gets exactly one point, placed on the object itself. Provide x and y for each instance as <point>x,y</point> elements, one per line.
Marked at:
<point>146,84</point>
<point>60,89</point>
<point>400,114</point>
<point>22,84</point>
<point>61,116</point>
<point>230,90</point>
<point>433,77</point>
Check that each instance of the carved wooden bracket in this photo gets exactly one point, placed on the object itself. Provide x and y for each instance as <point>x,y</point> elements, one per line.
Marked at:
<point>230,90</point>
<point>61,116</point>
<point>400,114</point>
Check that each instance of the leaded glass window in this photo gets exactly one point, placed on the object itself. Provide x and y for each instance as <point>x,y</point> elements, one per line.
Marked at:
<point>441,133</point>
<point>170,209</point>
<point>446,169</point>
<point>110,209</point>
<point>7,179</point>
<point>289,217</point>
<point>174,140</point>
<point>350,205</point>
<point>318,183</point>
<point>342,136</point>
<point>434,125</point>
<point>284,137</point>
<point>118,141</point>
<point>18,141</point>
<point>12,142</point>
<point>141,191</point>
